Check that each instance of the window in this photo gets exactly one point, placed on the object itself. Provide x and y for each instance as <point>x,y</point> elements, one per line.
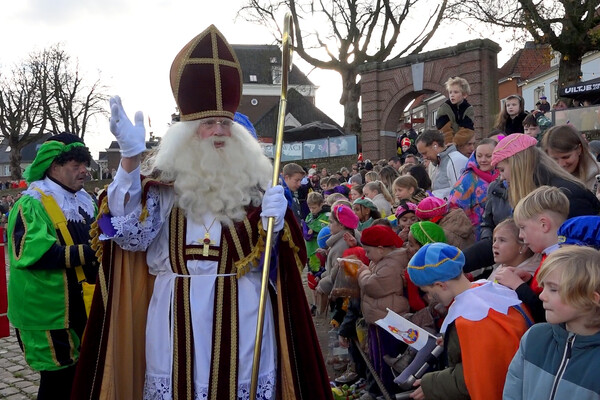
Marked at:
<point>553,92</point>
<point>433,118</point>
<point>253,78</point>
<point>537,93</point>
<point>276,74</point>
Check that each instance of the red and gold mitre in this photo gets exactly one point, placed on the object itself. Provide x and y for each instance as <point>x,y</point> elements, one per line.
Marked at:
<point>206,77</point>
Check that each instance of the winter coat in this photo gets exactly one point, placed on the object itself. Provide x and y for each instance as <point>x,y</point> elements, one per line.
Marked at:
<point>450,118</point>
<point>450,382</point>
<point>458,229</point>
<point>336,245</point>
<point>590,176</point>
<point>581,200</point>
<point>514,125</point>
<point>451,166</point>
<point>530,266</point>
<point>497,208</point>
<point>470,192</point>
<point>314,223</point>
<point>552,363</point>
<point>382,286</point>
<point>383,206</point>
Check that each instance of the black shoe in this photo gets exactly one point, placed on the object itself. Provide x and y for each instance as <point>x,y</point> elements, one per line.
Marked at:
<point>313,310</point>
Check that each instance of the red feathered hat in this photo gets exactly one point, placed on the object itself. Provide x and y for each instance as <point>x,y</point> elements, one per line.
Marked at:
<point>380,235</point>
<point>206,77</point>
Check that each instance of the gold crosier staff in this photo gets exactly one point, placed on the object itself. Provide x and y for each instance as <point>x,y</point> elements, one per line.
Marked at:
<point>286,63</point>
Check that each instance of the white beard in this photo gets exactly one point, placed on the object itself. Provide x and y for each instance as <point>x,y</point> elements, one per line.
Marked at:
<point>221,181</point>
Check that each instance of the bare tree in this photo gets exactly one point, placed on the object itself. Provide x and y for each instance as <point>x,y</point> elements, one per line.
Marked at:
<point>69,103</point>
<point>22,116</point>
<point>570,27</point>
<point>45,94</point>
<point>352,33</point>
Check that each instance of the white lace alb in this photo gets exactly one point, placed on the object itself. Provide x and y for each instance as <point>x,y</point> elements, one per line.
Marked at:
<point>133,235</point>
<point>159,388</point>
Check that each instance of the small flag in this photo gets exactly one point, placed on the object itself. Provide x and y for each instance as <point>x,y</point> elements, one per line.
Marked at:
<point>404,330</point>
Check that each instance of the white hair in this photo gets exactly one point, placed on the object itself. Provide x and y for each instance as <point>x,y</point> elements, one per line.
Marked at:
<point>207,179</point>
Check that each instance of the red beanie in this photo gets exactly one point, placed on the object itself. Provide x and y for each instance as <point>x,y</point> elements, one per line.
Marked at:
<point>380,235</point>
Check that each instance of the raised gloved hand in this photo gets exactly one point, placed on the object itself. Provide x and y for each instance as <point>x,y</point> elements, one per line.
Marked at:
<point>274,204</point>
<point>131,138</point>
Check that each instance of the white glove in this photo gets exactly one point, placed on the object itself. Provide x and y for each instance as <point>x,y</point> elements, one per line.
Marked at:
<point>131,138</point>
<point>274,204</point>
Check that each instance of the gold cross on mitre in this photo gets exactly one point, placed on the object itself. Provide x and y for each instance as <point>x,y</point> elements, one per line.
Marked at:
<point>206,242</point>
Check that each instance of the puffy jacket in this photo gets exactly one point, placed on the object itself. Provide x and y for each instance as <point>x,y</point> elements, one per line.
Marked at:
<point>336,245</point>
<point>552,363</point>
<point>382,286</point>
<point>451,166</point>
<point>497,208</point>
<point>458,229</point>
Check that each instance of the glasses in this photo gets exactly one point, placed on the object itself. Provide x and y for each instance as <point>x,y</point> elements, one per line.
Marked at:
<point>212,123</point>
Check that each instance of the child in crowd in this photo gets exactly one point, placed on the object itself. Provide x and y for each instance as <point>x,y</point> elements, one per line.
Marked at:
<point>405,217</point>
<point>366,211</point>
<point>510,120</point>
<point>378,193</point>
<point>470,191</point>
<point>405,187</point>
<point>455,223</point>
<point>333,198</point>
<point>531,128</point>
<point>419,172</point>
<point>538,216</point>
<point>323,184</point>
<point>381,287</point>
<point>342,220</point>
<point>313,278</point>
<point>420,234</point>
<point>317,219</point>
<point>455,116</point>
<point>560,359</point>
<point>371,176</point>
<point>481,331</point>
<point>510,251</point>
<point>356,192</point>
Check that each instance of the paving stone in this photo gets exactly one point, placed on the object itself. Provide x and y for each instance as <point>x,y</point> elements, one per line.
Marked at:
<point>8,391</point>
<point>23,384</point>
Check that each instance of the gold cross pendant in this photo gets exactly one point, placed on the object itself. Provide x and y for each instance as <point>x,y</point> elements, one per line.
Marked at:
<point>206,245</point>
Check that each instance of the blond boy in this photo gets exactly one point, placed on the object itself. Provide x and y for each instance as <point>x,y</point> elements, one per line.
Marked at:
<point>455,116</point>
<point>560,359</point>
<point>538,216</point>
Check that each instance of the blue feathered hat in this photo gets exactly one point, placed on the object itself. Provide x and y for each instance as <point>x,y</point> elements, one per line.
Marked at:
<point>245,122</point>
<point>581,231</point>
<point>435,262</point>
<point>322,237</point>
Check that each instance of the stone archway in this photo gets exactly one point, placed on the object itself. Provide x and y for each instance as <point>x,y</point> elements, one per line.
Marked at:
<point>387,87</point>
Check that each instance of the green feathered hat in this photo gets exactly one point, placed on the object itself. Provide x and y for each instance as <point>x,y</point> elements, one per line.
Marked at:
<point>53,147</point>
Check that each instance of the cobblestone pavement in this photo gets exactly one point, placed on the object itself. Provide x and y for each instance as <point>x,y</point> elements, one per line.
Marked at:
<point>17,380</point>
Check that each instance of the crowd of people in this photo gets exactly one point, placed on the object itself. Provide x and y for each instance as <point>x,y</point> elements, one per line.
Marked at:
<point>489,245</point>
<point>464,245</point>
